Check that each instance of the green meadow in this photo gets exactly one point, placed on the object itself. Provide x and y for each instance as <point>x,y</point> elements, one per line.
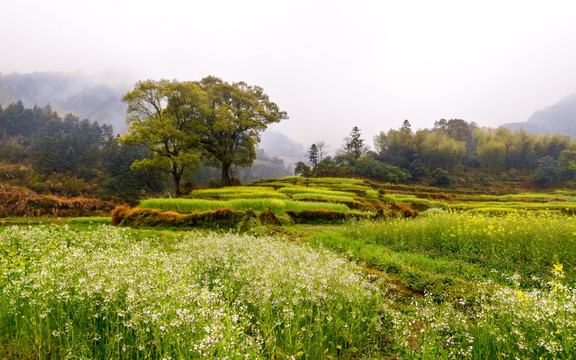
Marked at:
<point>364,271</point>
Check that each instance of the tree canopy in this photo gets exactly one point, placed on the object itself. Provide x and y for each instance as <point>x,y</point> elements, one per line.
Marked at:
<point>184,123</point>
<point>237,114</point>
<point>165,116</point>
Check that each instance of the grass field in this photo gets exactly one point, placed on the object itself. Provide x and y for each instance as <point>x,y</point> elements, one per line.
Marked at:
<point>278,205</point>
<point>473,276</point>
<point>104,292</point>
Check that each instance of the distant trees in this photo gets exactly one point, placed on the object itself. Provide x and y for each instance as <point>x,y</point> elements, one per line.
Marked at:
<point>452,146</point>
<point>69,156</point>
<point>313,156</point>
<point>547,173</point>
<point>354,148</point>
<point>396,147</point>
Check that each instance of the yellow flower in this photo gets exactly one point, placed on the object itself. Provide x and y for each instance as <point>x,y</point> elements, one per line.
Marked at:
<point>558,268</point>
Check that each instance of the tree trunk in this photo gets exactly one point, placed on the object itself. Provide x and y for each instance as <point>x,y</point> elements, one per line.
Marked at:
<point>226,174</point>
<point>176,178</point>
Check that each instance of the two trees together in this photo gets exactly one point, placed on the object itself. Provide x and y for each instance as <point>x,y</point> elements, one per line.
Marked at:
<point>186,123</point>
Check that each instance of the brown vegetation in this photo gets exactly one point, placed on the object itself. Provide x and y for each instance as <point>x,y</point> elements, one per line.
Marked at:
<point>221,218</point>
<point>19,201</point>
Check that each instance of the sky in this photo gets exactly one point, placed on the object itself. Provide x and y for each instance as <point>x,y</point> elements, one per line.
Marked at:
<point>331,65</point>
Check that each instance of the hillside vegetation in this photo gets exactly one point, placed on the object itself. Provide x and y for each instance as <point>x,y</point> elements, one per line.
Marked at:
<point>272,271</point>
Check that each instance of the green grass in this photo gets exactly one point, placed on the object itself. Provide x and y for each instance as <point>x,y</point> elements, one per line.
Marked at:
<point>238,192</point>
<point>90,220</point>
<point>322,197</point>
<point>277,205</point>
<point>292,190</point>
<point>514,205</point>
<point>470,285</point>
<point>540,238</point>
<point>527,197</point>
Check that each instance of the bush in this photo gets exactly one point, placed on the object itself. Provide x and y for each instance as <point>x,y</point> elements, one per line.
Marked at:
<point>442,177</point>
<point>119,213</point>
<point>317,216</point>
<point>18,201</point>
<point>404,210</point>
<point>267,217</point>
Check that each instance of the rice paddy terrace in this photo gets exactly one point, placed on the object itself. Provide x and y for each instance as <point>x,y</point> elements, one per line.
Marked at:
<point>334,200</point>
<point>298,268</point>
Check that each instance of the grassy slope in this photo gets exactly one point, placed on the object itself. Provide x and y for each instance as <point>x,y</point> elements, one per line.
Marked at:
<point>464,284</point>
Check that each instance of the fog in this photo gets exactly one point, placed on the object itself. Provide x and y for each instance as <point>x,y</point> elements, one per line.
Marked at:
<point>331,65</point>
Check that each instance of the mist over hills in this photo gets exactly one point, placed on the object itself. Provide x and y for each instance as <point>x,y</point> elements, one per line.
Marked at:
<point>66,93</point>
<point>84,97</point>
<point>559,118</point>
<point>278,144</point>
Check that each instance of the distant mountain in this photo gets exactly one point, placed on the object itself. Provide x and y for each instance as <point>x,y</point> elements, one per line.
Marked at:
<point>559,118</point>
<point>280,145</point>
<point>66,93</point>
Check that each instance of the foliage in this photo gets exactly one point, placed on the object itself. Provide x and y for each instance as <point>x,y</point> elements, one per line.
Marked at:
<point>112,293</point>
<point>548,172</point>
<point>319,216</point>
<point>354,148</point>
<point>442,177</point>
<point>302,169</point>
<point>396,147</point>
<point>164,117</point>
<point>18,201</point>
<point>68,156</point>
<point>313,156</point>
<point>237,113</point>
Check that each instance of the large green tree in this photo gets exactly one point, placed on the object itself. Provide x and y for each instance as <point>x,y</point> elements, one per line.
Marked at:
<point>165,117</point>
<point>237,114</point>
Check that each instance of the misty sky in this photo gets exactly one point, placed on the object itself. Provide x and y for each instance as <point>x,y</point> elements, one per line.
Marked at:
<point>331,64</point>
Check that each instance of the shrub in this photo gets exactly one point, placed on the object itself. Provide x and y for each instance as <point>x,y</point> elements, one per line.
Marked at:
<point>317,216</point>
<point>119,213</point>
<point>267,217</point>
<point>404,210</point>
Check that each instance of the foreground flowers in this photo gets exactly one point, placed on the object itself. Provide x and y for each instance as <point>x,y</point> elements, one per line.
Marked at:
<point>108,292</point>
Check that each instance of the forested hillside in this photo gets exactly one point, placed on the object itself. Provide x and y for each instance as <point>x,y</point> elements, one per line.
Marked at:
<point>452,152</point>
<point>66,93</point>
<point>69,156</point>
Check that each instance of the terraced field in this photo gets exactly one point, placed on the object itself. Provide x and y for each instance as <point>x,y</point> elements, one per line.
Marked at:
<point>297,268</point>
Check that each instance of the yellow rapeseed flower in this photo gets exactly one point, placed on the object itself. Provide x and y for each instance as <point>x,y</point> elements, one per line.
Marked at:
<point>558,268</point>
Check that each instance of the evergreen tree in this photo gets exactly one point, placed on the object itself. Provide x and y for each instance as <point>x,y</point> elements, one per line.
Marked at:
<point>354,148</point>
<point>313,156</point>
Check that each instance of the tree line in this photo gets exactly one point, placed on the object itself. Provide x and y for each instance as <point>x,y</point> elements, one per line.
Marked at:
<point>177,131</point>
<point>451,147</point>
<point>70,156</point>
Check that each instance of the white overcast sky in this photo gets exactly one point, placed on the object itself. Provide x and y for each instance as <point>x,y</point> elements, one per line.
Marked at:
<point>331,64</point>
